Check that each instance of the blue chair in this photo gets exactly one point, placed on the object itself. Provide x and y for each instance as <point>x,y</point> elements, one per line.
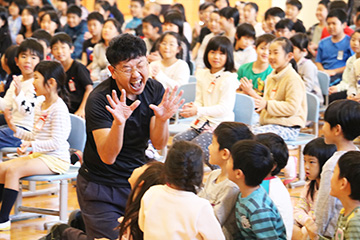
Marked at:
<point>77,139</point>
<point>303,138</point>
<point>324,81</point>
<point>192,79</point>
<point>244,108</point>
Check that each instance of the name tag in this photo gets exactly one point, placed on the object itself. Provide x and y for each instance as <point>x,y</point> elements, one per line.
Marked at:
<point>340,55</point>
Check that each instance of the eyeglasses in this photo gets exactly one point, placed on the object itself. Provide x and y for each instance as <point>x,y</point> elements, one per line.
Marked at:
<point>128,71</point>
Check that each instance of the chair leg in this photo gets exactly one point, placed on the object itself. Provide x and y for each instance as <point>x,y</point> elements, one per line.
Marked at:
<point>301,181</point>
<point>63,200</point>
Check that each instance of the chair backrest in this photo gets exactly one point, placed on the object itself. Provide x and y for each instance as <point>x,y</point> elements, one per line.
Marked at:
<point>244,108</point>
<point>192,79</point>
<point>324,81</point>
<point>313,105</point>
<point>189,92</point>
<point>77,137</point>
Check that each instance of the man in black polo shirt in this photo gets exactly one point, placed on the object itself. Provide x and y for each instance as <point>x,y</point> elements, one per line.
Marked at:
<point>118,131</point>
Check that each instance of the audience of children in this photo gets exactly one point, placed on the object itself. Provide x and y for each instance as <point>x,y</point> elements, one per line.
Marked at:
<point>48,137</point>
<point>28,24</point>
<point>78,82</point>
<point>219,190</point>
<point>44,39</point>
<point>171,70</point>
<point>244,46</point>
<point>152,29</point>
<point>256,215</point>
<point>215,95</point>
<point>284,28</point>
<point>272,16</point>
<point>8,63</point>
<point>187,28</point>
<point>316,153</point>
<point>251,10</point>
<point>50,22</point>
<point>136,11</point>
<point>14,20</point>
<point>293,8</point>
<point>173,211</point>
<point>229,19</point>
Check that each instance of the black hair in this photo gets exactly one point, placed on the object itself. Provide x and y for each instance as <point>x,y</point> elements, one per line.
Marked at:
<point>346,113</point>
<point>288,48</point>
<point>4,18</point>
<point>253,5</point>
<point>184,166</point>
<point>32,45</point>
<point>295,3</point>
<point>174,17</point>
<point>284,23</point>
<point>228,133</point>
<point>46,7</point>
<point>206,5</point>
<point>10,54</point>
<point>245,29</point>
<point>54,18</point>
<point>21,4</point>
<point>179,7</point>
<point>52,69</point>
<point>278,149</point>
<point>230,12</point>
<point>349,168</point>
<point>68,2</point>
<point>227,1</point>
<point>32,11</point>
<point>339,14</point>
<point>74,9</point>
<point>104,5</point>
<point>62,38</point>
<point>267,38</point>
<point>338,4</point>
<point>253,159</point>
<point>357,19</point>
<point>274,11</point>
<point>178,40</point>
<point>223,44</point>
<point>128,45</point>
<point>43,35</point>
<point>324,2</point>
<point>142,3</point>
<point>95,16</point>
<point>154,21</point>
<point>322,151</point>
<point>116,24</point>
<point>153,175</point>
<point>300,40</point>
<point>358,9</point>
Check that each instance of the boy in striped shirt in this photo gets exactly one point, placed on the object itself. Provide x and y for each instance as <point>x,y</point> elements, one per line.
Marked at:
<point>256,215</point>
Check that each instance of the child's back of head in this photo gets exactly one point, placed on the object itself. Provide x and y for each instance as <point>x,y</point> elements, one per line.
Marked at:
<point>253,159</point>
<point>228,133</point>
<point>184,166</point>
<point>278,149</point>
<point>345,113</point>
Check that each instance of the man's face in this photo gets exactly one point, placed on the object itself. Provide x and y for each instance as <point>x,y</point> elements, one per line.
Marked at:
<point>131,75</point>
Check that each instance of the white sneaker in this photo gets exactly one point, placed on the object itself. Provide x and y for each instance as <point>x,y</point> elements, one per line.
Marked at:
<point>5,226</point>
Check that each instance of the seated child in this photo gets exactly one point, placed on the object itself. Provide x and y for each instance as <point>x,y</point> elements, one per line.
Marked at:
<point>229,20</point>
<point>136,11</point>
<point>272,16</point>
<point>335,50</point>
<point>62,6</point>
<point>244,46</point>
<point>273,184</point>
<point>173,211</point>
<point>284,28</point>
<point>215,95</point>
<point>293,8</point>
<point>28,24</point>
<point>15,9</point>
<point>75,28</point>
<point>44,39</point>
<point>78,81</point>
<point>251,10</point>
<point>306,68</point>
<point>219,190</point>
<point>316,153</point>
<point>50,22</point>
<point>353,92</point>
<point>341,127</point>
<point>95,23</point>
<point>20,96</point>
<point>252,76</point>
<point>103,7</point>
<point>256,215</point>
<point>152,29</point>
<point>171,71</point>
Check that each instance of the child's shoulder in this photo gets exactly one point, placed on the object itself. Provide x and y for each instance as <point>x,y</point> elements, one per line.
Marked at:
<point>257,201</point>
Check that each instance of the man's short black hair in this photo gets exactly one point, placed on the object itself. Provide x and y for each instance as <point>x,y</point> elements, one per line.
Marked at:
<point>96,16</point>
<point>253,159</point>
<point>338,4</point>
<point>43,35</point>
<point>61,37</point>
<point>346,113</point>
<point>228,133</point>
<point>32,45</point>
<point>295,3</point>
<point>274,11</point>
<point>245,29</point>
<point>349,168</point>
<point>205,5</point>
<point>339,14</point>
<point>278,149</point>
<point>74,9</point>
<point>154,21</point>
<point>141,2</point>
<point>267,38</point>
<point>284,23</point>
<point>128,45</point>
<point>68,2</point>
<point>230,12</point>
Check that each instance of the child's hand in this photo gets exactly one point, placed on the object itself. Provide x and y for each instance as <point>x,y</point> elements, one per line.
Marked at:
<point>311,229</point>
<point>23,147</point>
<point>246,85</point>
<point>188,110</point>
<point>332,89</point>
<point>17,84</point>
<point>8,118</point>
<point>80,112</point>
<point>87,36</point>
<point>154,56</point>
<point>19,38</point>
<point>260,104</point>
